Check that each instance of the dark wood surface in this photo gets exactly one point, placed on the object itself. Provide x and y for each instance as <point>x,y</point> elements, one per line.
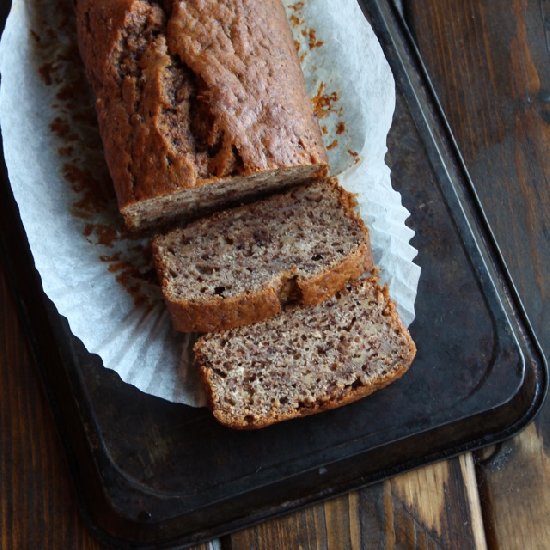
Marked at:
<point>490,65</point>
<point>496,93</point>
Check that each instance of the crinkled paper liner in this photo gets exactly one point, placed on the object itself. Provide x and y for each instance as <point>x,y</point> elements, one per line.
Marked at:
<point>100,279</point>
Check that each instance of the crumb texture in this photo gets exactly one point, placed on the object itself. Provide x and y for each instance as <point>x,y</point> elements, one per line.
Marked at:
<point>272,243</point>
<point>307,359</point>
<point>193,90</point>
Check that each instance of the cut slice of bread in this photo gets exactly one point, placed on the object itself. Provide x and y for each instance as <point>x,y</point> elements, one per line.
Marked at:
<point>306,360</point>
<point>240,266</point>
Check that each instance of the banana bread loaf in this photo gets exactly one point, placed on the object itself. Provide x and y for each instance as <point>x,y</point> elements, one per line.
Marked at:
<point>239,266</point>
<point>306,360</point>
<point>200,103</point>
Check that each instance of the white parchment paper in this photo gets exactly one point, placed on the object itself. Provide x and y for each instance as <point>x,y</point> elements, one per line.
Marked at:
<point>100,279</point>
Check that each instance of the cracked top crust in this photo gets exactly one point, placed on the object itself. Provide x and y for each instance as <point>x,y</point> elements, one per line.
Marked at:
<point>191,91</point>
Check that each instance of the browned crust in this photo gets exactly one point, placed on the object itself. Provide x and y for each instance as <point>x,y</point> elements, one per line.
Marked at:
<point>216,314</point>
<point>227,80</point>
<point>350,396</point>
<point>314,290</point>
<point>329,401</point>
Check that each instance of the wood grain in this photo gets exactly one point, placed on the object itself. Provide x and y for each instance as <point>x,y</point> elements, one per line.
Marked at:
<point>432,507</point>
<point>491,70</point>
<point>514,484</point>
<point>492,74</point>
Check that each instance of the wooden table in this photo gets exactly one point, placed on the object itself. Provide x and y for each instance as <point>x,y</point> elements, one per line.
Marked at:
<point>490,64</point>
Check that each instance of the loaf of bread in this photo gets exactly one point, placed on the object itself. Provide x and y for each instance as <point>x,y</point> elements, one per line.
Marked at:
<point>306,360</point>
<point>200,103</point>
<point>241,265</point>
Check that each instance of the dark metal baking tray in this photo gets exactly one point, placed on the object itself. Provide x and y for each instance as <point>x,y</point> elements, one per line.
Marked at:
<point>152,473</point>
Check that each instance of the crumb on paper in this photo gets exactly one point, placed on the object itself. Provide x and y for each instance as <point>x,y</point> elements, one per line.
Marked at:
<point>105,234</point>
<point>297,46</point>
<point>355,155</point>
<point>95,194</point>
<point>313,41</point>
<point>62,129</point>
<point>340,128</point>
<point>332,145</point>
<point>134,279</point>
<point>135,275</point>
<point>323,104</point>
<point>296,7</point>
<point>46,72</point>
<point>296,21</point>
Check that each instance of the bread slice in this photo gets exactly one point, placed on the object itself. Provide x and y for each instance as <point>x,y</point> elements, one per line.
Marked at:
<point>239,266</point>
<point>306,360</point>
